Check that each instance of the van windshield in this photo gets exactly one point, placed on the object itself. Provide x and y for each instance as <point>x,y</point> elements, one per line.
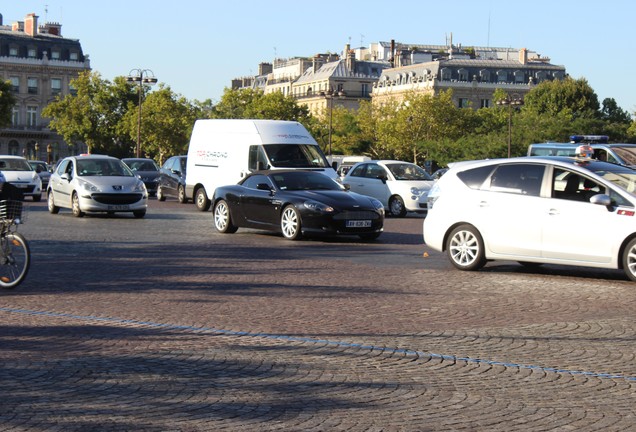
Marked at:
<point>296,156</point>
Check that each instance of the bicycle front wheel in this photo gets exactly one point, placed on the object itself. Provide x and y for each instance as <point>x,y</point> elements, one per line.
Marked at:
<point>15,260</point>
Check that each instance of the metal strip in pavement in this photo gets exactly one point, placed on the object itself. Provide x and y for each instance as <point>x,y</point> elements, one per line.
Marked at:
<point>402,351</point>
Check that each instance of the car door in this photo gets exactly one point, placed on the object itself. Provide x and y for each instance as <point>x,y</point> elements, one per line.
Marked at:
<point>260,207</point>
<point>509,208</point>
<point>63,188</point>
<point>575,229</point>
<point>370,179</point>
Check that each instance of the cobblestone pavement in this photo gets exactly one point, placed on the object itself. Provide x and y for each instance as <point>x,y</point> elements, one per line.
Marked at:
<point>162,324</point>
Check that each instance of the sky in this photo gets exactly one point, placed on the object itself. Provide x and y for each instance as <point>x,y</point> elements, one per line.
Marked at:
<point>197,47</point>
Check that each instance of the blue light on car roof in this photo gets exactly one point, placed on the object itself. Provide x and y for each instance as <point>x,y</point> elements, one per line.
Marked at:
<point>600,139</point>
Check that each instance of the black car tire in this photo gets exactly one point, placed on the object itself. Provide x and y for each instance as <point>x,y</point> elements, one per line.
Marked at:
<point>53,209</point>
<point>223,218</point>
<point>160,195</point>
<point>77,211</point>
<point>181,196</point>
<point>465,248</point>
<point>396,206</point>
<point>139,213</point>
<point>629,260</point>
<point>37,198</point>
<point>201,199</point>
<point>290,223</point>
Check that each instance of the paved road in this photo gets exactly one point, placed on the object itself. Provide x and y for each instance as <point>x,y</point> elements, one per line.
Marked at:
<point>161,324</point>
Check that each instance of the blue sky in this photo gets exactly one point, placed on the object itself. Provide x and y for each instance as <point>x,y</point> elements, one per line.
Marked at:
<point>197,47</point>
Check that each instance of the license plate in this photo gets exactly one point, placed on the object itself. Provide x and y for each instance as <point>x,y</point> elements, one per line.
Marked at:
<point>118,207</point>
<point>358,223</point>
<point>21,186</point>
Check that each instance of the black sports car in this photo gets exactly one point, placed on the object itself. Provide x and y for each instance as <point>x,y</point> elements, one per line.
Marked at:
<point>296,203</point>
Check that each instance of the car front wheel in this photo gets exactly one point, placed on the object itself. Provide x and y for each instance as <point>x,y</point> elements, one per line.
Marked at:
<point>290,223</point>
<point>77,211</point>
<point>222,218</point>
<point>397,207</point>
<point>181,195</point>
<point>465,248</point>
<point>160,195</point>
<point>629,260</point>
<point>53,209</point>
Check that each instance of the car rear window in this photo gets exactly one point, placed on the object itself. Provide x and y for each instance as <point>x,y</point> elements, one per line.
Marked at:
<point>474,178</point>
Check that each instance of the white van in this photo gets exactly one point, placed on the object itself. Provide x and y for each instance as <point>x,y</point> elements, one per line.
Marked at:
<point>222,152</point>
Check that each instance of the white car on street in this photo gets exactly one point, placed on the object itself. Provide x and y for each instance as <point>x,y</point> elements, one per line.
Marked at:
<point>401,186</point>
<point>19,174</point>
<point>96,183</point>
<point>534,210</point>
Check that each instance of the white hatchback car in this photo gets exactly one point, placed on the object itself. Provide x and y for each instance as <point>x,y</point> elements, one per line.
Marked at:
<point>400,186</point>
<point>22,176</point>
<point>553,210</point>
<point>96,184</point>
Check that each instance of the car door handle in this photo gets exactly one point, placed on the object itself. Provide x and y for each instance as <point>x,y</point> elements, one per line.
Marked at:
<point>553,212</point>
<point>484,204</point>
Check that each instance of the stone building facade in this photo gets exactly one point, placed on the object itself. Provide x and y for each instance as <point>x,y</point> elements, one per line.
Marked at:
<point>39,63</point>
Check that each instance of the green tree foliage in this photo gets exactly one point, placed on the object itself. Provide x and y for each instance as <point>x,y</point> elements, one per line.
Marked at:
<point>575,97</point>
<point>7,101</point>
<point>167,120</point>
<point>92,114</point>
<point>254,104</point>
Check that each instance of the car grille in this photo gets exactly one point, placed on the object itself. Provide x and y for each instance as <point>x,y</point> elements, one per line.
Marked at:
<point>115,199</point>
<point>354,215</point>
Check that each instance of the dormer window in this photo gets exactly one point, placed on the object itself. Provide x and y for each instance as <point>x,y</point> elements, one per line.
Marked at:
<point>463,74</point>
<point>55,55</point>
<point>32,53</point>
<point>73,56</point>
<point>484,74</point>
<point>446,74</point>
<point>502,76</point>
<point>519,76</point>
<point>13,52</point>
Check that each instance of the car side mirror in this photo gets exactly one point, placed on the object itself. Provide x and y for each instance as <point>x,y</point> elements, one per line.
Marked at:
<point>602,199</point>
<point>383,178</point>
<point>347,186</point>
<point>66,176</point>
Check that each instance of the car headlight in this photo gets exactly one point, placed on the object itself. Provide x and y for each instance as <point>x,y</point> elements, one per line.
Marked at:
<point>377,204</point>
<point>318,206</point>
<point>140,187</point>
<point>433,195</point>
<point>89,187</point>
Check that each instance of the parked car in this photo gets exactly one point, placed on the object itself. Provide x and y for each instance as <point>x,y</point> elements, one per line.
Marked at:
<point>20,175</point>
<point>534,210</point>
<point>96,184</point>
<point>43,170</point>
<point>171,181</point>
<point>400,186</point>
<point>296,203</point>
<point>147,170</point>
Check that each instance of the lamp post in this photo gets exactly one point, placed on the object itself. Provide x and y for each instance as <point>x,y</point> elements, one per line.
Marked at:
<point>141,77</point>
<point>514,101</point>
<point>329,95</point>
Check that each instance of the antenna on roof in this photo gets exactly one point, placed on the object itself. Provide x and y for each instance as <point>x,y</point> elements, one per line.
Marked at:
<point>488,40</point>
<point>46,13</point>
<point>361,40</point>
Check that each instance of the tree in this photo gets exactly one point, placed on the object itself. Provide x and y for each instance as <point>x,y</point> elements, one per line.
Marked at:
<point>254,104</point>
<point>7,101</point>
<point>613,113</point>
<point>167,121</point>
<point>92,114</point>
<point>575,97</point>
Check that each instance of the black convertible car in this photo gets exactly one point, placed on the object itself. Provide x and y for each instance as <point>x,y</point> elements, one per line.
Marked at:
<point>296,203</point>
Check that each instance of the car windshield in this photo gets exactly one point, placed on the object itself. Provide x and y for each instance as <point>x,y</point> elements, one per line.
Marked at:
<point>627,154</point>
<point>625,179</point>
<point>295,156</point>
<point>103,167</point>
<point>142,165</point>
<point>15,165</point>
<point>36,165</point>
<point>295,181</point>
<point>408,171</point>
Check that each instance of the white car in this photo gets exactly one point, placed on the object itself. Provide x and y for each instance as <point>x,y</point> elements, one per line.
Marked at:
<point>401,186</point>
<point>96,184</point>
<point>22,176</point>
<point>534,210</point>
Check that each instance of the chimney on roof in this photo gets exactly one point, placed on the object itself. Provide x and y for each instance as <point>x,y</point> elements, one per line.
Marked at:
<point>31,24</point>
<point>392,54</point>
<point>523,56</point>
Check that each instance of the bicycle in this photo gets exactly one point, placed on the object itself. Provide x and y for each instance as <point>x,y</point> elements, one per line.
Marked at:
<point>15,255</point>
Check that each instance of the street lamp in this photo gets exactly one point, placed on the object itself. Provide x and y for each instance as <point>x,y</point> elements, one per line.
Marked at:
<point>329,95</point>
<point>141,77</point>
<point>514,101</point>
